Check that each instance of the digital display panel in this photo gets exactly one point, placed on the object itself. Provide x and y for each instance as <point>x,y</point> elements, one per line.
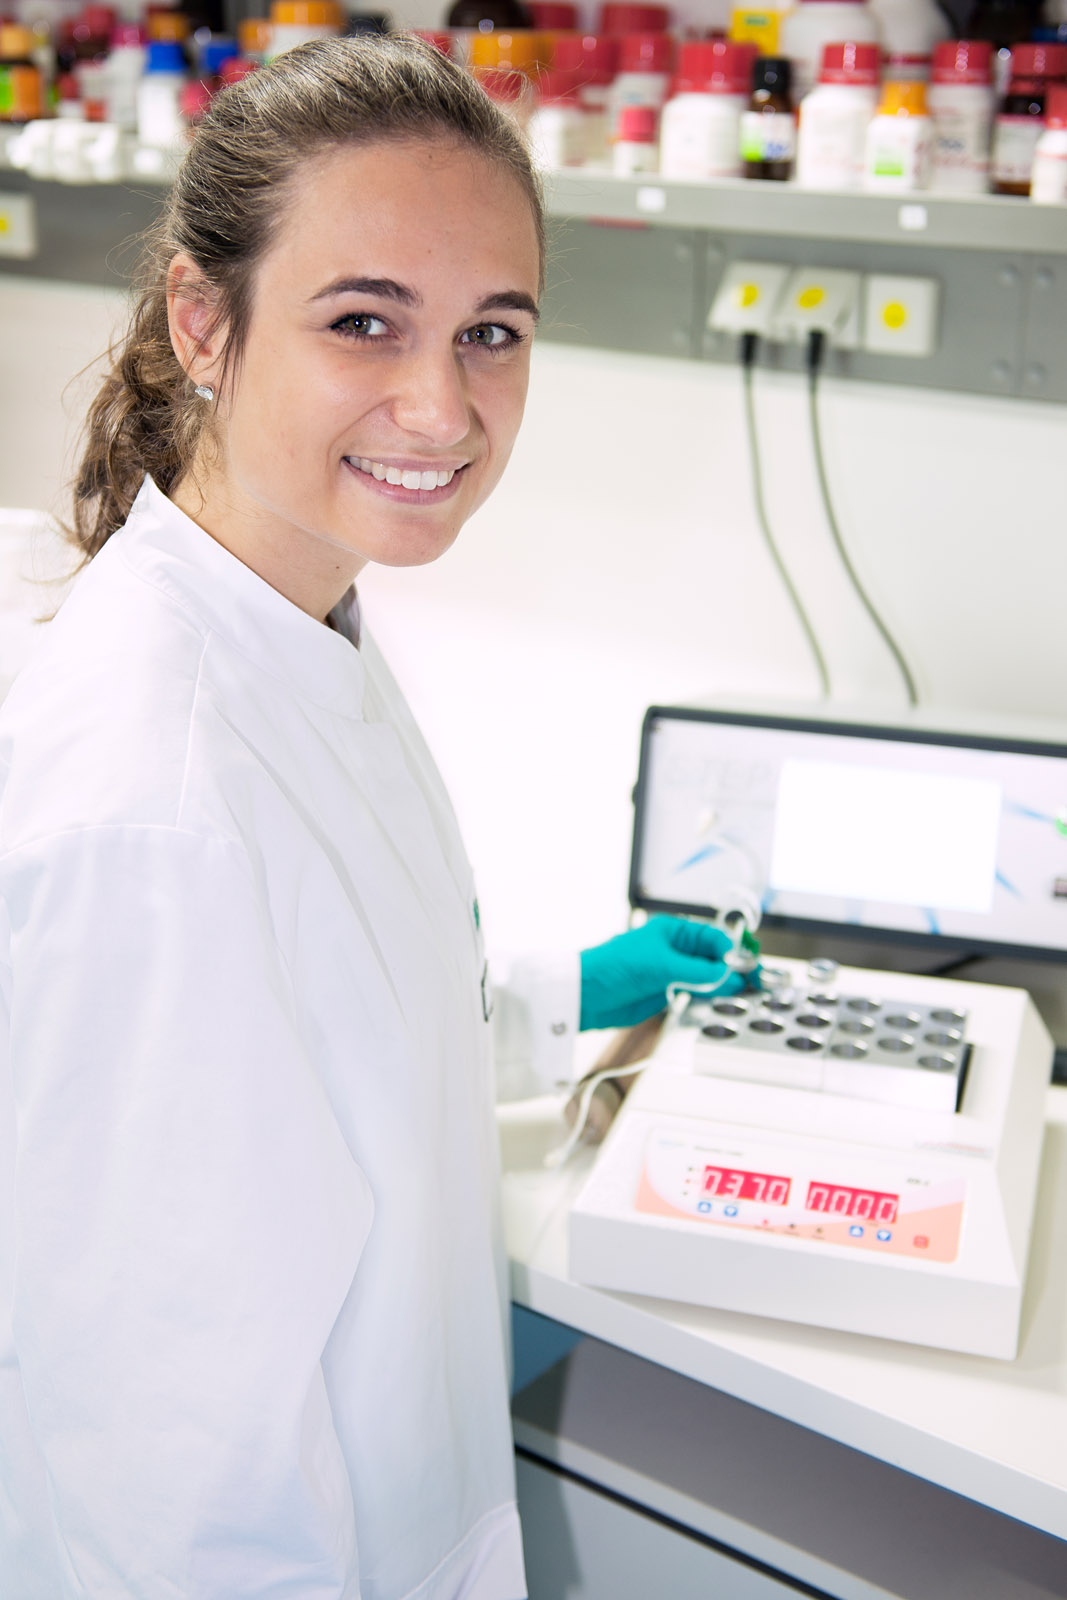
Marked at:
<point>863,1205</point>
<point>732,1184</point>
<point>900,832</point>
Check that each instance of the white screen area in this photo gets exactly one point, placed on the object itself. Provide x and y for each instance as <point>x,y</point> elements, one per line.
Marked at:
<point>874,834</point>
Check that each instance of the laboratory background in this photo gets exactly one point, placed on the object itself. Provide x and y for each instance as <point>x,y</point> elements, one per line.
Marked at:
<point>793,453</point>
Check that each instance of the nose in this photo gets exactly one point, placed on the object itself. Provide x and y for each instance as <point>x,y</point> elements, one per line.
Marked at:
<point>431,399</point>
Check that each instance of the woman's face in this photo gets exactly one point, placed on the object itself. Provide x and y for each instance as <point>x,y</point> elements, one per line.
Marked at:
<point>385,368</point>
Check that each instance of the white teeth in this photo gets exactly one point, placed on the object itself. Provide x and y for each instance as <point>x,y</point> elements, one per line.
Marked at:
<point>426,481</point>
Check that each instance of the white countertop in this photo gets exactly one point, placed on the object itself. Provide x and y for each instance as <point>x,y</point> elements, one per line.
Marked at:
<point>994,1431</point>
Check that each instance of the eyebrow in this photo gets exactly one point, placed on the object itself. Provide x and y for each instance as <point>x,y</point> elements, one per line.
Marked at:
<point>389,289</point>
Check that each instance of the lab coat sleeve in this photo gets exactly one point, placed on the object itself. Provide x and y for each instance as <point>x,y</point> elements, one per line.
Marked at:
<point>189,1221</point>
<point>536,1010</point>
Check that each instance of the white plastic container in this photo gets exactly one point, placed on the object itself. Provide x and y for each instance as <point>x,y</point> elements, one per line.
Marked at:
<point>1048,178</point>
<point>806,31</point>
<point>159,118</point>
<point>635,149</point>
<point>897,158</point>
<point>644,77</point>
<point>296,22</point>
<point>593,59</point>
<point>700,135</point>
<point>123,73</point>
<point>557,127</point>
<point>962,103</point>
<point>835,116</point>
<point>909,27</point>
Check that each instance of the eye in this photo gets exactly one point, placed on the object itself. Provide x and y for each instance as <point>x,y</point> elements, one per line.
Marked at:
<point>492,336</point>
<point>359,325</point>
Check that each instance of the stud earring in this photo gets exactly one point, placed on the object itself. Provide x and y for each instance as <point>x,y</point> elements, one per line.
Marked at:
<point>205,391</point>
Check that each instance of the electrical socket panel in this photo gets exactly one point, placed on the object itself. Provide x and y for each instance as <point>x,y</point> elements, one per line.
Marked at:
<point>821,298</point>
<point>18,226</point>
<point>900,315</point>
<point>747,297</point>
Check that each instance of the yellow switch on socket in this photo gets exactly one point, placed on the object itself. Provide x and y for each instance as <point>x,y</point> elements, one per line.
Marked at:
<point>900,316</point>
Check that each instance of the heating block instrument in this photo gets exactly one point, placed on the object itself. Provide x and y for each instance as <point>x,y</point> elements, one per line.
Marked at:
<point>847,1148</point>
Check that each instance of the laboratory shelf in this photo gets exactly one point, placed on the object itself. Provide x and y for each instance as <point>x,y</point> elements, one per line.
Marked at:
<point>957,222</point>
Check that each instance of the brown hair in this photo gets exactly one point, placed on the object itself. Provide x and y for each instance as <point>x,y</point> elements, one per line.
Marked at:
<point>224,210</point>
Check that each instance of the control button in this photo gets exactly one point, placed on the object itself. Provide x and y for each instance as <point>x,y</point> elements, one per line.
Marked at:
<point>921,1242</point>
<point>884,1234</point>
<point>731,1211</point>
<point>857,1233</point>
<point>703,1205</point>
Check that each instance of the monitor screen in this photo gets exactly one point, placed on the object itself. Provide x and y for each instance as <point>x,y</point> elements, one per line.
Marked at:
<point>858,829</point>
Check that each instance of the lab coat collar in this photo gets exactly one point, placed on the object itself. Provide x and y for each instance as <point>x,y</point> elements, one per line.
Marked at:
<point>169,550</point>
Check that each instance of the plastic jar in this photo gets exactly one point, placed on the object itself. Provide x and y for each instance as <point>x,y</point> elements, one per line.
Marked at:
<point>700,136</point>
<point>520,50</point>
<point>769,126</point>
<point>616,19</point>
<point>593,57</point>
<point>1020,119</point>
<point>1048,176</point>
<point>295,22</point>
<point>834,117</point>
<point>634,150</point>
<point>552,16</point>
<point>644,74</point>
<point>254,36</point>
<point>805,33</point>
<point>910,27</point>
<point>557,126</point>
<point>21,89</point>
<point>961,104</point>
<point>898,140</point>
<point>125,69</point>
<point>159,118</point>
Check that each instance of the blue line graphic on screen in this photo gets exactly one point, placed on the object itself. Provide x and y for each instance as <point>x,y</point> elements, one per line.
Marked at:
<point>1019,810</point>
<point>703,854</point>
<point>931,918</point>
<point>1005,884</point>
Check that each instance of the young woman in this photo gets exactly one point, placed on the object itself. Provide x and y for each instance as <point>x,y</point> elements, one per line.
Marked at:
<point>251,1294</point>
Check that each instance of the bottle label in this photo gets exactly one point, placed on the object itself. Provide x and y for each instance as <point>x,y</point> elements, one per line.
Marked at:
<point>961,148</point>
<point>768,136</point>
<point>1049,185</point>
<point>1014,143</point>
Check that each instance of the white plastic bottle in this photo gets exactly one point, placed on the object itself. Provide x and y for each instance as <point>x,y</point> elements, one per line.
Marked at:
<point>835,116</point>
<point>594,59</point>
<point>644,76</point>
<point>124,71</point>
<point>159,117</point>
<point>634,150</point>
<point>700,136</point>
<point>1048,179</point>
<point>962,103</point>
<point>557,126</point>
<point>910,27</point>
<point>806,31</point>
<point>897,156</point>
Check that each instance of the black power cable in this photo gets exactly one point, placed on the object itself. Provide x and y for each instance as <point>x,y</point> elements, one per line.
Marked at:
<point>816,350</point>
<point>749,346</point>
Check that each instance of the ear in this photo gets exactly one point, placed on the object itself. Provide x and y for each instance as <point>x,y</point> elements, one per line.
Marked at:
<point>191,314</point>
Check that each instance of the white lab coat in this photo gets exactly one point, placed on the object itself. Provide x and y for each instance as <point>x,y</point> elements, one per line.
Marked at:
<point>252,1299</point>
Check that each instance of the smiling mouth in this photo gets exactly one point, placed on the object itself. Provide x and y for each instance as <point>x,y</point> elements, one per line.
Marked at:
<point>427,481</point>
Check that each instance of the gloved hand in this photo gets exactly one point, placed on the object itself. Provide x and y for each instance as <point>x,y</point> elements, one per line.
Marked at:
<point>625,980</point>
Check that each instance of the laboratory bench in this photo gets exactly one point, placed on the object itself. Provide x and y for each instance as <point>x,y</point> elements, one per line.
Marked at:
<point>679,1451</point>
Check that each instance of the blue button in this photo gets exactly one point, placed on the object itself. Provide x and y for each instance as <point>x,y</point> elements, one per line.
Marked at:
<point>731,1211</point>
<point>703,1205</point>
<point>884,1234</point>
<point>857,1233</point>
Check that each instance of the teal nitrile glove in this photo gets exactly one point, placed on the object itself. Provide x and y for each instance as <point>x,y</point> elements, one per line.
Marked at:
<point>625,980</point>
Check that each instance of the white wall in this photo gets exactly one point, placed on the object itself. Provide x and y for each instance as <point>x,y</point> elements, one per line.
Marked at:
<point>620,564</point>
